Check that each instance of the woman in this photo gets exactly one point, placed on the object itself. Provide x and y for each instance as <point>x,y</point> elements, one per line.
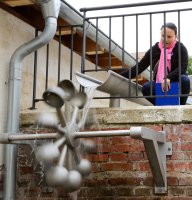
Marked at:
<point>172,64</point>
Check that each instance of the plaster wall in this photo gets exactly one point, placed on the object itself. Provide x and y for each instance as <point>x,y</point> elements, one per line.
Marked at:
<point>13,33</point>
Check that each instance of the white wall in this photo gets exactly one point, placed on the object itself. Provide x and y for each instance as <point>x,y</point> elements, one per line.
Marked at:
<point>13,33</point>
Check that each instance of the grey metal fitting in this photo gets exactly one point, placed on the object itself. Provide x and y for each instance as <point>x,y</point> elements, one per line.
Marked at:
<point>4,138</point>
<point>50,8</point>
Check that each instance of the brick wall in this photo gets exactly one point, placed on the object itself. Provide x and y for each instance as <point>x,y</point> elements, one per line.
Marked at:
<point>120,168</point>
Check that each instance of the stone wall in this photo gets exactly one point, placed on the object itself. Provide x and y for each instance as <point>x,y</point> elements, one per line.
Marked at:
<point>120,167</point>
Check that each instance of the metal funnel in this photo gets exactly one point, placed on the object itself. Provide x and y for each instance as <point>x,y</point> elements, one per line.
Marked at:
<point>68,88</point>
<point>54,97</point>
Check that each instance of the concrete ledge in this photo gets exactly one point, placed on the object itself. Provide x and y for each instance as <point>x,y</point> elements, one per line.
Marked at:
<point>29,117</point>
<point>150,114</point>
<point>141,115</point>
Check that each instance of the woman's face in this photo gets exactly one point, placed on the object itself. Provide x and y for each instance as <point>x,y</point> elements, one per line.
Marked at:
<point>170,36</point>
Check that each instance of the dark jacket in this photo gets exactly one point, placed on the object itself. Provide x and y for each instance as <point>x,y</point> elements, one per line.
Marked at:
<point>173,75</point>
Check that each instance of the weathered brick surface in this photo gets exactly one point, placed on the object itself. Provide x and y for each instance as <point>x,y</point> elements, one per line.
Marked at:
<point>120,168</point>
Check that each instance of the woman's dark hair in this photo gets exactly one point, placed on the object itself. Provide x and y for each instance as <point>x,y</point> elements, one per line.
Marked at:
<point>171,26</point>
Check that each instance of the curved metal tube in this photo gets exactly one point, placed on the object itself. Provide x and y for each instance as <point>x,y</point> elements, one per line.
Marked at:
<point>115,85</point>
<point>15,76</point>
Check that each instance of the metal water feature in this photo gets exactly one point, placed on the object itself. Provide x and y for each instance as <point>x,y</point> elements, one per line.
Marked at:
<point>115,85</point>
<point>69,147</point>
<point>50,10</point>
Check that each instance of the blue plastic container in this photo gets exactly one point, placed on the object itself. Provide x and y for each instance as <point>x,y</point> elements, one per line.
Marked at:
<point>167,99</point>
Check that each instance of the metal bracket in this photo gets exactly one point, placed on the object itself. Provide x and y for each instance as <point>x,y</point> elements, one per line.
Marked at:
<point>157,149</point>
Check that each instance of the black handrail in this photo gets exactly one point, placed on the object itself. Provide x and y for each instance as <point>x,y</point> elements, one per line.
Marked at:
<point>132,5</point>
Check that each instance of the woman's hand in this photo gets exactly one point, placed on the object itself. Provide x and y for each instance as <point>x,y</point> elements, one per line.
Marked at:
<point>167,86</point>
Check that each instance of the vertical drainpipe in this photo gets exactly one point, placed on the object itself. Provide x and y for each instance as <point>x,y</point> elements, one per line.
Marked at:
<point>50,10</point>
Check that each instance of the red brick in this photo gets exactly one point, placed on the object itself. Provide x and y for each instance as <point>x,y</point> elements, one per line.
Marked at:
<point>170,166</point>
<point>95,167</point>
<point>95,183</point>
<point>100,157</point>
<point>142,191</point>
<point>181,155</point>
<point>135,156</point>
<point>186,146</point>
<point>176,146</point>
<point>125,191</point>
<point>123,140</point>
<point>187,128</point>
<point>121,148</point>
<point>137,147</point>
<point>141,166</point>
<point>104,148</point>
<point>172,181</point>
<point>187,155</point>
<point>102,140</point>
<point>116,166</point>
<point>155,127</point>
<point>186,137</point>
<point>173,137</point>
<point>176,191</point>
<point>26,170</point>
<point>89,157</point>
<point>172,129</point>
<point>32,192</point>
<point>178,155</point>
<point>124,181</point>
<point>185,181</point>
<point>148,181</point>
<point>183,166</point>
<point>189,191</point>
<point>118,157</point>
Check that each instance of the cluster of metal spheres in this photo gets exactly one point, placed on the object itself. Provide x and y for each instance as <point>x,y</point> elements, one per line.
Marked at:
<point>68,152</point>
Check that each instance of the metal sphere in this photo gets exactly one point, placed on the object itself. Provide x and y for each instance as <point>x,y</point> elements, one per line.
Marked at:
<point>74,180</point>
<point>47,152</point>
<point>79,100</point>
<point>57,176</point>
<point>88,145</point>
<point>47,120</point>
<point>84,167</point>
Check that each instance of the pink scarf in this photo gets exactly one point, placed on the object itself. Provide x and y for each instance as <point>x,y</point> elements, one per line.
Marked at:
<point>160,71</point>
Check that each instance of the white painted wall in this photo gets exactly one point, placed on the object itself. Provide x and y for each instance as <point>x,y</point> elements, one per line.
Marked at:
<point>13,33</point>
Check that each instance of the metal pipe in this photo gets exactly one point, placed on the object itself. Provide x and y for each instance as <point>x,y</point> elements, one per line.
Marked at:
<point>179,51</point>
<point>109,57</point>
<point>59,57</point>
<point>114,102</point>
<point>50,11</point>
<point>71,57</point>
<point>97,47</point>
<point>83,45</point>
<point>132,5</point>
<point>47,68</point>
<point>137,47</point>
<point>7,138</point>
<point>18,137</point>
<point>34,75</point>
<point>115,84</point>
<point>87,134</point>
